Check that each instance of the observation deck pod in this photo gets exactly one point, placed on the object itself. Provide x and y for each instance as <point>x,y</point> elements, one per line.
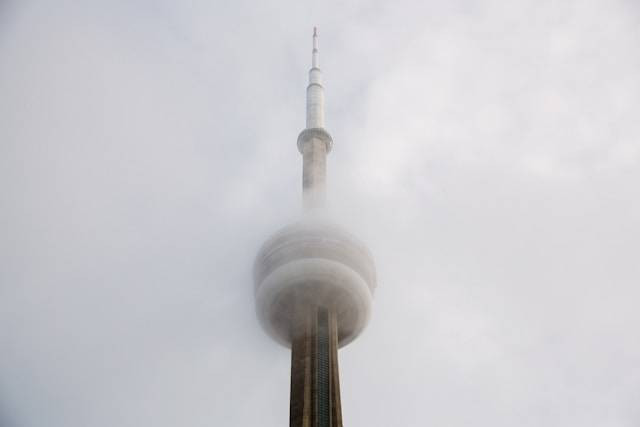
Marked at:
<point>313,263</point>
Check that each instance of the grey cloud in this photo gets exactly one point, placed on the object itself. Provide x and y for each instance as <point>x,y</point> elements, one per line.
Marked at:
<point>488,153</point>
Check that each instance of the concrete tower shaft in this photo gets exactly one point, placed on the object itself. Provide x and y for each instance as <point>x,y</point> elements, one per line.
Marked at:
<point>314,281</point>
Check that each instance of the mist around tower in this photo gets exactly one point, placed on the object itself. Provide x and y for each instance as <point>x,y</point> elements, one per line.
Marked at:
<point>478,213</point>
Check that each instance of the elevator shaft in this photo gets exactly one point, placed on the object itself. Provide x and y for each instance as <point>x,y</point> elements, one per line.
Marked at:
<point>315,385</point>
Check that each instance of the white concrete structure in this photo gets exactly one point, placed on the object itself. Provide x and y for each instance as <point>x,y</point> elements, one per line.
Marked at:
<point>314,263</point>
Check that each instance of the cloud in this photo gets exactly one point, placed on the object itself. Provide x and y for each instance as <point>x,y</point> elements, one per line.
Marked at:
<point>487,152</point>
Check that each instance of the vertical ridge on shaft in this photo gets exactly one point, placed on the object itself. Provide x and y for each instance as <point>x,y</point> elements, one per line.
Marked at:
<point>301,401</point>
<point>323,370</point>
<point>336,405</point>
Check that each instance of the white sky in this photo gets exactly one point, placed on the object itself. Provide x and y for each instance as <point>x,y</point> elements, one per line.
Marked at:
<point>487,151</point>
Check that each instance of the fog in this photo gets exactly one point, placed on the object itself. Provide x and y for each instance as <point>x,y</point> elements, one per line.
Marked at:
<point>487,152</point>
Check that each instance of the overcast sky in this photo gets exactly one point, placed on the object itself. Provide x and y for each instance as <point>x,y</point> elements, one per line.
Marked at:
<point>487,151</point>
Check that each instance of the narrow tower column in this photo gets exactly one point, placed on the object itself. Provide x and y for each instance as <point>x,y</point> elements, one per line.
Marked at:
<point>314,142</point>
<point>314,281</point>
<point>315,386</point>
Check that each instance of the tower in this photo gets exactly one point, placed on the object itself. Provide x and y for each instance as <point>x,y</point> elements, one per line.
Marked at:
<point>314,281</point>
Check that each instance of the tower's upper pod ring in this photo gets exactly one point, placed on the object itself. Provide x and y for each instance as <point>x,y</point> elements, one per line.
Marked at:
<point>315,133</point>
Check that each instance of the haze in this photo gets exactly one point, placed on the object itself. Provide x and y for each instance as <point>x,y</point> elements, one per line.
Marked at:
<point>487,151</point>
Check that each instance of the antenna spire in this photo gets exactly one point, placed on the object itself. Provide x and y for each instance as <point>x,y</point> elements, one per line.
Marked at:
<point>314,54</point>
<point>315,91</point>
<point>314,142</point>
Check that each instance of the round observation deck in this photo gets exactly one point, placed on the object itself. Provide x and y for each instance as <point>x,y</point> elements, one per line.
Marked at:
<point>316,263</point>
